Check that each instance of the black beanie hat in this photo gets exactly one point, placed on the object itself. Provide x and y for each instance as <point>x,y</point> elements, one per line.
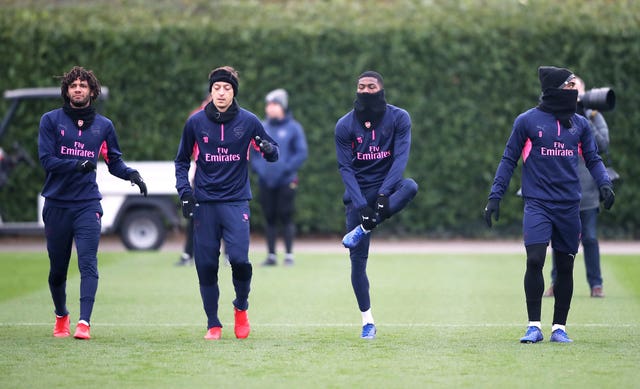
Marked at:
<point>552,77</point>
<point>376,75</point>
<point>224,76</point>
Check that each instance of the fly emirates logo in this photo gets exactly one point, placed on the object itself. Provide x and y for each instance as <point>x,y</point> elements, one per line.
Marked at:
<point>373,154</point>
<point>558,150</point>
<point>222,156</point>
<point>77,150</point>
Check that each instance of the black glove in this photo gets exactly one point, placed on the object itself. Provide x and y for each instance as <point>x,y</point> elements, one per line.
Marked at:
<point>369,218</point>
<point>493,206</point>
<point>382,206</point>
<point>136,179</point>
<point>85,166</point>
<point>189,203</point>
<point>265,146</point>
<point>607,196</point>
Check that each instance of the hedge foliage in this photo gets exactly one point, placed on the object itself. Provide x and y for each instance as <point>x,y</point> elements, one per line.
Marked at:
<point>463,70</point>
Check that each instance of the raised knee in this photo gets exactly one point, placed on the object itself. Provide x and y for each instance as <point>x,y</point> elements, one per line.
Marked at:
<point>411,185</point>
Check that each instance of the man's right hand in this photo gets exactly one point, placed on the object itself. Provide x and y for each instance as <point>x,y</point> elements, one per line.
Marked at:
<point>493,206</point>
<point>85,166</point>
<point>189,203</point>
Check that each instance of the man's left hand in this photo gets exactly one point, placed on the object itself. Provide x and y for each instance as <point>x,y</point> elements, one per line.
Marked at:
<point>135,178</point>
<point>265,146</point>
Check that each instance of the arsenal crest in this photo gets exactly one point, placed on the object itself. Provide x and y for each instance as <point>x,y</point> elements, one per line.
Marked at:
<point>80,123</point>
<point>367,124</point>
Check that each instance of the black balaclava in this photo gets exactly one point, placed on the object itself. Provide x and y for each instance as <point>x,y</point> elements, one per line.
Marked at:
<point>555,100</point>
<point>369,108</point>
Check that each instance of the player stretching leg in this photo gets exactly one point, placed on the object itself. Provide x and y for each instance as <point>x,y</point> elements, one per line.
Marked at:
<point>372,146</point>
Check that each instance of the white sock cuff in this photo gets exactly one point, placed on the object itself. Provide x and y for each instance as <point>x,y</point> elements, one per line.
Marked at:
<point>367,317</point>
<point>558,327</point>
<point>535,324</point>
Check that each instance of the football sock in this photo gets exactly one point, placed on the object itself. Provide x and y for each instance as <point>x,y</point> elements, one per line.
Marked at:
<point>367,317</point>
<point>558,327</point>
<point>535,324</point>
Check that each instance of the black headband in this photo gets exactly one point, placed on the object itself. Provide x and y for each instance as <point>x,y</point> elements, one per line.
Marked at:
<point>224,76</point>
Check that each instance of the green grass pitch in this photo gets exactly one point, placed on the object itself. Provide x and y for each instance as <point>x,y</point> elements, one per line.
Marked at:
<point>443,321</point>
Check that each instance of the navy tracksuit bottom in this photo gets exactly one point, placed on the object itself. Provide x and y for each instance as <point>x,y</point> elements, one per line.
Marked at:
<point>402,194</point>
<point>62,224</point>
<point>229,222</point>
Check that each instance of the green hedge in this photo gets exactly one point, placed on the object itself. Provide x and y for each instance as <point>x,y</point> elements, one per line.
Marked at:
<point>463,71</point>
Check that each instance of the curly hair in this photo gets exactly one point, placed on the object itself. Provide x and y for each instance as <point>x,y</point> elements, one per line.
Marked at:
<point>78,72</point>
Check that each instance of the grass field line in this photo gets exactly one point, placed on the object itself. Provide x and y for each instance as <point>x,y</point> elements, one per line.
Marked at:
<point>337,325</point>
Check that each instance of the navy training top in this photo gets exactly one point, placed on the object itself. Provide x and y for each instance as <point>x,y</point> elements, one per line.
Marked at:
<point>550,155</point>
<point>61,145</point>
<point>374,157</point>
<point>222,172</point>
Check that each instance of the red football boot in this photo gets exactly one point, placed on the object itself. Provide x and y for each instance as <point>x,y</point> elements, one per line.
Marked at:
<point>214,333</point>
<point>82,331</point>
<point>61,328</point>
<point>242,327</point>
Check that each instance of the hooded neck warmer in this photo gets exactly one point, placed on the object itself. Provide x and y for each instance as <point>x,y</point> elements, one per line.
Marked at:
<point>561,103</point>
<point>369,108</point>
<point>221,117</point>
<point>82,117</point>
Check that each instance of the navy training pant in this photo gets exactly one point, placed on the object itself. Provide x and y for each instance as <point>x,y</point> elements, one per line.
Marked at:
<point>62,225</point>
<point>213,222</point>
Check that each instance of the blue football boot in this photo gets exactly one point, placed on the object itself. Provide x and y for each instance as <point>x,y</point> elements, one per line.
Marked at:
<point>354,237</point>
<point>533,335</point>
<point>560,336</point>
<point>368,331</point>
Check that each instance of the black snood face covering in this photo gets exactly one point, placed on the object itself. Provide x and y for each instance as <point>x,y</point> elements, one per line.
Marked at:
<point>370,107</point>
<point>561,103</point>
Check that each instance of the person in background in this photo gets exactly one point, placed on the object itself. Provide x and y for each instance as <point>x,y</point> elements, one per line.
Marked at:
<point>550,139</point>
<point>590,202</point>
<point>372,141</point>
<point>70,140</point>
<point>279,180</point>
